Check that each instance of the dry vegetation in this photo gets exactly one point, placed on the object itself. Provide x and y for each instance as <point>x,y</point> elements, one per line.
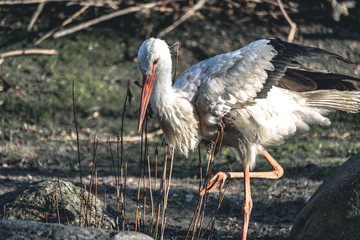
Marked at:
<point>83,130</point>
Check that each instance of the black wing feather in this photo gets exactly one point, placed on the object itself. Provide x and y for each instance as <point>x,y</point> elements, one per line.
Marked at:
<point>286,53</point>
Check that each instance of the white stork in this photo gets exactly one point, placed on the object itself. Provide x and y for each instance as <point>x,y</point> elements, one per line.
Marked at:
<point>259,95</point>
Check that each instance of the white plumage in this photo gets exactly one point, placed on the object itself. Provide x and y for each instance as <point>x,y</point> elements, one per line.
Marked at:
<point>257,95</point>
<point>205,93</point>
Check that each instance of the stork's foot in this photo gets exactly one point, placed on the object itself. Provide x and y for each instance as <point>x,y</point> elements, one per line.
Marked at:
<point>219,178</point>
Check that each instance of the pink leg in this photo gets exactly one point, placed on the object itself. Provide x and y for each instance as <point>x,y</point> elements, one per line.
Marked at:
<point>247,206</point>
<point>220,178</point>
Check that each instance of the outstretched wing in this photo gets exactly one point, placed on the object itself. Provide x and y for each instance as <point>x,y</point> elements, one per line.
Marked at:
<point>233,79</point>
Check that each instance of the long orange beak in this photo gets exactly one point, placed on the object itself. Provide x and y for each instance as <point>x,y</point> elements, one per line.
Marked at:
<point>147,87</point>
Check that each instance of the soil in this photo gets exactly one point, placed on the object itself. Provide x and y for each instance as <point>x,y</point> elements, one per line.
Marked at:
<point>37,146</point>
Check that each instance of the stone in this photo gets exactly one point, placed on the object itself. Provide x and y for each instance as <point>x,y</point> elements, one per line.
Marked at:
<point>333,212</point>
<point>26,230</point>
<point>43,200</point>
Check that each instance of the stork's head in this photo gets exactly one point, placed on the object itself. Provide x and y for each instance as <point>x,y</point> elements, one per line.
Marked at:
<point>153,56</point>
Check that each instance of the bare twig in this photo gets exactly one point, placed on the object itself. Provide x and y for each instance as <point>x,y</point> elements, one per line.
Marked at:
<point>36,15</point>
<point>221,198</point>
<point>28,52</point>
<point>45,36</point>
<point>75,15</point>
<point>96,187</point>
<point>167,193</point>
<point>151,196</point>
<point>156,167</point>
<point>128,95</point>
<point>160,193</point>
<point>137,220</point>
<point>125,175</point>
<point>176,59</point>
<point>196,7</point>
<point>288,19</point>
<point>105,18</point>
<point>118,187</point>
<point>82,203</point>
<point>149,30</point>
<point>66,22</point>
<point>144,175</point>
<point>116,179</point>
<point>200,198</point>
<point>198,216</point>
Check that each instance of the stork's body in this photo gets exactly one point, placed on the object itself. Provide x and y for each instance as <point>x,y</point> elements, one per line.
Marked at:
<point>258,95</point>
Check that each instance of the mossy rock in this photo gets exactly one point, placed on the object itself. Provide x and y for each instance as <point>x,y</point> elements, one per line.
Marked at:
<point>43,200</point>
<point>333,212</point>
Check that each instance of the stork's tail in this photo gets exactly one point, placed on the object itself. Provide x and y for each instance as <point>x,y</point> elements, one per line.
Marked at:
<point>331,100</point>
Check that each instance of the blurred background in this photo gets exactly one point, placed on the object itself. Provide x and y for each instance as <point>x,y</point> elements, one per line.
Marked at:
<point>96,44</point>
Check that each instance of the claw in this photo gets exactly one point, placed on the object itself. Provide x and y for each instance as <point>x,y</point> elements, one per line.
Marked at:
<point>214,182</point>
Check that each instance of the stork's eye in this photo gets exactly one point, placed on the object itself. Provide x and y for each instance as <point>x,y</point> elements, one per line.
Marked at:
<point>156,60</point>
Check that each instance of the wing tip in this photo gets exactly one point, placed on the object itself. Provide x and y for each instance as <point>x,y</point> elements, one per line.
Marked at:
<point>303,50</point>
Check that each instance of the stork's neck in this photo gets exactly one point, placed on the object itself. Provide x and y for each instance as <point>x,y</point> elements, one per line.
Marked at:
<point>175,113</point>
<point>162,96</point>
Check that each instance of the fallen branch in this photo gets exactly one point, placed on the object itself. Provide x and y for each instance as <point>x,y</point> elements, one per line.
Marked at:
<point>64,23</point>
<point>288,19</point>
<point>45,36</point>
<point>196,7</point>
<point>36,15</point>
<point>75,15</point>
<point>105,18</point>
<point>28,52</point>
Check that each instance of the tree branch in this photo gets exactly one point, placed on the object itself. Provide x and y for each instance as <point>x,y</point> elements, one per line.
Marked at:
<point>104,18</point>
<point>28,52</point>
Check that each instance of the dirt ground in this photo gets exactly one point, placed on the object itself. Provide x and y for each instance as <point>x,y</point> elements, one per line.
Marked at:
<point>33,149</point>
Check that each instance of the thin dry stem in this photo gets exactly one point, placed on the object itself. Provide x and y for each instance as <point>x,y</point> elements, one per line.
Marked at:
<point>292,24</point>
<point>125,194</point>
<point>36,15</point>
<point>151,196</point>
<point>167,193</point>
<point>221,198</point>
<point>66,22</point>
<point>75,15</point>
<point>118,187</point>
<point>96,188</point>
<point>144,175</point>
<point>81,204</point>
<point>195,8</point>
<point>160,193</point>
<point>122,154</point>
<point>105,18</point>
<point>199,212</point>
<point>116,182</point>
<point>137,220</point>
<point>177,44</point>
